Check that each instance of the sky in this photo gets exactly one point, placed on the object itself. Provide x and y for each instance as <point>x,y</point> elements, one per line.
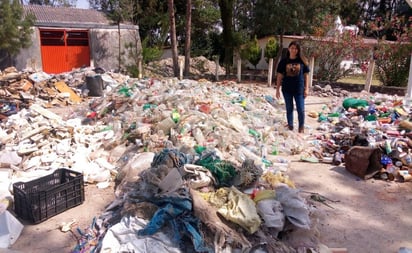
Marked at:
<point>82,4</point>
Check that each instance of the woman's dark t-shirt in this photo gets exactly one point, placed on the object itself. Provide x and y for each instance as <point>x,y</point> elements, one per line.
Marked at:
<point>292,70</point>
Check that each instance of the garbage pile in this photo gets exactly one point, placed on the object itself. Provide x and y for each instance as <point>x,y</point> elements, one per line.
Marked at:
<point>194,149</point>
<point>199,166</point>
<point>371,134</point>
<point>215,136</point>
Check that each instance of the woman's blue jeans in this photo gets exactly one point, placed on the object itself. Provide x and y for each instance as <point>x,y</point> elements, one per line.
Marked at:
<point>300,107</point>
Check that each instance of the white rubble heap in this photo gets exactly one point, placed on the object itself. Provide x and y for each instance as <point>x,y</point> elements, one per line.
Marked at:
<point>237,122</point>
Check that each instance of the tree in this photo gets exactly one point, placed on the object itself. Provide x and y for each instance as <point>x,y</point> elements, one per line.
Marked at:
<point>271,48</point>
<point>65,3</point>
<point>205,36</point>
<point>173,40</point>
<point>188,36</point>
<point>226,14</point>
<point>377,14</point>
<point>15,30</point>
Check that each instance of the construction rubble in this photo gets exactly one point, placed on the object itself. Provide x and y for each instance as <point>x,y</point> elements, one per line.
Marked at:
<point>199,166</point>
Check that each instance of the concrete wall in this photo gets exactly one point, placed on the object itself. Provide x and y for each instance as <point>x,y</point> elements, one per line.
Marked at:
<point>30,58</point>
<point>104,47</point>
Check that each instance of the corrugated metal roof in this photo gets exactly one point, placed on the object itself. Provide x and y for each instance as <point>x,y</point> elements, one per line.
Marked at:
<point>66,15</point>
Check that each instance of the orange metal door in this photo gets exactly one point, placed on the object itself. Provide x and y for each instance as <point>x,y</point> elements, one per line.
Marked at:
<point>62,50</point>
<point>53,51</point>
<point>78,53</point>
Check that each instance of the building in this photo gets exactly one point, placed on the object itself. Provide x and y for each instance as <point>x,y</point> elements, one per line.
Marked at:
<point>66,38</point>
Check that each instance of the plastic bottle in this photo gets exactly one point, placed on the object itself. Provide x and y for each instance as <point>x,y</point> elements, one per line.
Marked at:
<point>198,135</point>
<point>407,160</point>
<point>199,149</point>
<point>148,106</point>
<point>254,133</point>
<point>275,149</point>
<point>185,128</point>
<point>125,91</point>
<point>337,159</point>
<point>264,151</point>
<point>175,116</point>
<point>388,147</point>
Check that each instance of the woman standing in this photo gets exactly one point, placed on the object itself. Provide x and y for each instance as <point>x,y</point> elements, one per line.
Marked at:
<point>293,77</point>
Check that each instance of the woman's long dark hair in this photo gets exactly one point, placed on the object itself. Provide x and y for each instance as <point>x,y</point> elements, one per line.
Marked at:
<point>300,54</point>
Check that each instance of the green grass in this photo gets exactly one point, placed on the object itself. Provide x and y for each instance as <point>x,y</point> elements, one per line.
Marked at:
<point>359,79</point>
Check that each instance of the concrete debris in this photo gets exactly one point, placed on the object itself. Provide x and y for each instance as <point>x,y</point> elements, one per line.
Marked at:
<point>328,91</point>
<point>200,67</point>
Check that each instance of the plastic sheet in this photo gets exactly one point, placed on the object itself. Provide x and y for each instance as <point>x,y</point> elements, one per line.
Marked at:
<point>122,237</point>
<point>294,206</point>
<point>241,210</point>
<point>10,229</point>
<point>272,213</point>
<point>174,210</point>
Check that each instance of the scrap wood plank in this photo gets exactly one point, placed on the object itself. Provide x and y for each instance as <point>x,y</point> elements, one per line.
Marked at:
<point>46,113</point>
<point>339,250</point>
<point>62,87</point>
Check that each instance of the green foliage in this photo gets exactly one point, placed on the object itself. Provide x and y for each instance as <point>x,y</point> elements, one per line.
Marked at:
<point>150,53</point>
<point>381,18</point>
<point>15,29</point>
<point>392,63</point>
<point>205,17</point>
<point>329,52</point>
<point>290,16</point>
<point>133,70</point>
<point>252,52</point>
<point>393,53</point>
<point>271,48</point>
<point>350,11</point>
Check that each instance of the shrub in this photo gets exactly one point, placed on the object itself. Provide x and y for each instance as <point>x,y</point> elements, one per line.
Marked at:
<point>329,52</point>
<point>392,63</point>
<point>252,52</point>
<point>330,48</point>
<point>393,52</point>
<point>271,48</point>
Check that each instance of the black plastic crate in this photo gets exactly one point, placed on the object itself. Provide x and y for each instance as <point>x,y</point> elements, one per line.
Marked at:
<point>42,198</point>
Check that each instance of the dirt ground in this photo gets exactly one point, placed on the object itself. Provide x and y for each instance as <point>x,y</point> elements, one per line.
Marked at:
<point>371,216</point>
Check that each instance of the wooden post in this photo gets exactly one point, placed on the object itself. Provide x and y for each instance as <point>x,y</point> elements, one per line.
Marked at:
<point>140,67</point>
<point>181,67</point>
<point>239,70</point>
<point>270,72</point>
<point>311,70</point>
<point>217,68</point>
<point>409,89</point>
<point>369,75</point>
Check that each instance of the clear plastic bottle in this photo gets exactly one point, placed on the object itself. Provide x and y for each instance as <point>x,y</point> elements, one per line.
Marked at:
<point>263,151</point>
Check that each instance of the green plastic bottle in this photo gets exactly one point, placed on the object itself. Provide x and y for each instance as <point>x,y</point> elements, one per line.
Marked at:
<point>175,116</point>
<point>254,133</point>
